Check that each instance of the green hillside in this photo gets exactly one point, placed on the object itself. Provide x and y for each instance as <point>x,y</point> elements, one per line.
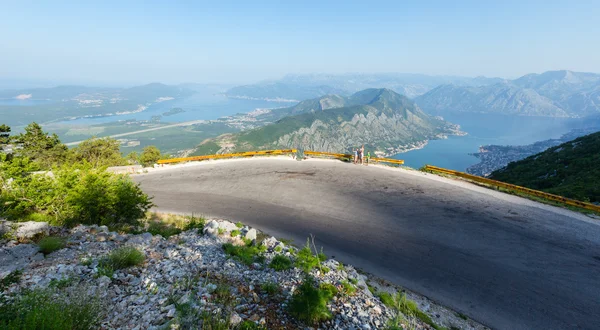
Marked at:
<point>381,119</point>
<point>571,169</point>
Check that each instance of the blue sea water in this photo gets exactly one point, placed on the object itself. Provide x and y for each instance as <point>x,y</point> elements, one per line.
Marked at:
<point>483,129</point>
<point>201,105</point>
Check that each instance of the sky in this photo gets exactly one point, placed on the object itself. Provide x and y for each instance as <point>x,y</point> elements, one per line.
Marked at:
<point>131,42</point>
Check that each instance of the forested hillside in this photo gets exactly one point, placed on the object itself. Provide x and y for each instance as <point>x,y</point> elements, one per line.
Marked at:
<point>571,169</point>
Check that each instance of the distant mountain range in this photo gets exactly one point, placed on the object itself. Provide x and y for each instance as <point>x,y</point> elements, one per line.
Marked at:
<point>570,169</point>
<point>301,87</point>
<point>381,119</point>
<point>20,107</point>
<point>552,94</point>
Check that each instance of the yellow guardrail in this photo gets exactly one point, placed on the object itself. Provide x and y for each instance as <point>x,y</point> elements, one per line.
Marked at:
<point>276,152</point>
<point>349,157</point>
<point>537,193</point>
<point>222,156</point>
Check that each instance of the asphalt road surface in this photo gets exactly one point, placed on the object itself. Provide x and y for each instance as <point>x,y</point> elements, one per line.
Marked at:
<point>507,262</point>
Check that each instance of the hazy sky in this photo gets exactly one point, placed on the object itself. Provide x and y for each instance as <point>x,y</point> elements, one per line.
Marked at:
<point>127,42</point>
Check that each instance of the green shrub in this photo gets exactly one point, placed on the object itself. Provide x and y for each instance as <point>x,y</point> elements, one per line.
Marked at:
<point>280,263</point>
<point>52,309</point>
<point>249,325</point>
<point>195,223</point>
<point>329,288</point>
<point>239,224</point>
<point>76,193</point>
<point>353,281</point>
<point>305,260</point>
<point>122,257</point>
<point>245,254</point>
<point>50,244</point>
<point>163,229</point>
<point>10,279</point>
<point>235,233</point>
<point>309,303</point>
<point>269,287</point>
<point>278,249</point>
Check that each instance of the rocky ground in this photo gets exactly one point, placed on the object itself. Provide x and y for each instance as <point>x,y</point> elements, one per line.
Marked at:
<point>188,278</point>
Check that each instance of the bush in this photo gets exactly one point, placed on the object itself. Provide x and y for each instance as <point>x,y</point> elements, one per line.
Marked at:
<point>235,233</point>
<point>52,309</point>
<point>309,303</point>
<point>10,279</point>
<point>280,263</point>
<point>50,244</point>
<point>150,155</point>
<point>74,194</point>
<point>329,288</point>
<point>122,257</point>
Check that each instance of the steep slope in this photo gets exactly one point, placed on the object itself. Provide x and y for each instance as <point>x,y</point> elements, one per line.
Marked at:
<point>571,169</point>
<point>553,93</point>
<point>381,119</point>
<point>500,98</point>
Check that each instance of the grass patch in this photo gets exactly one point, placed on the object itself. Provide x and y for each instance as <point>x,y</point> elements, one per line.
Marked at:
<point>163,229</point>
<point>270,287</point>
<point>353,281</point>
<point>239,224</point>
<point>386,298</point>
<point>221,231</point>
<point>120,258</point>
<point>247,254</point>
<point>340,266</point>
<point>50,244</point>
<point>281,263</point>
<point>235,233</point>
<point>347,288</point>
<point>309,302</point>
<point>278,249</point>
<point>409,308</point>
<point>52,308</point>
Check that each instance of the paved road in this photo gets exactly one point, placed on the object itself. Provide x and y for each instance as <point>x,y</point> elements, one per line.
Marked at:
<point>505,261</point>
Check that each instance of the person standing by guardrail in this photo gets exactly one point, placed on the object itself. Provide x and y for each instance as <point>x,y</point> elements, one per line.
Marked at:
<point>355,155</point>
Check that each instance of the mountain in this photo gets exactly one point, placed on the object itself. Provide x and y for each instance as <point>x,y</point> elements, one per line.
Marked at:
<point>502,98</point>
<point>569,169</point>
<point>300,87</point>
<point>552,93</point>
<point>381,119</point>
<point>281,91</point>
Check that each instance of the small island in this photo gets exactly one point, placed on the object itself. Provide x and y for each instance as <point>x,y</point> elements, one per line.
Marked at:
<point>173,111</point>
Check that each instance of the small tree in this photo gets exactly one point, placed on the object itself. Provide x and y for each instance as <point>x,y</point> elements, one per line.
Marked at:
<point>4,135</point>
<point>150,155</point>
<point>42,148</point>
<point>99,152</point>
<point>132,158</point>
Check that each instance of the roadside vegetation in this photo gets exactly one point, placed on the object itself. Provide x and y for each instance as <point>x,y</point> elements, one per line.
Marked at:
<point>42,180</point>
